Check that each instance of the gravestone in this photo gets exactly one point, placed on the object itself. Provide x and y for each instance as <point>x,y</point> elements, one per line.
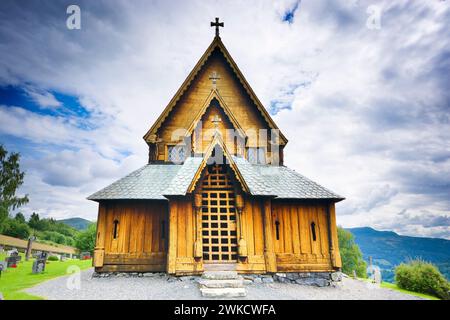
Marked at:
<point>85,255</point>
<point>377,276</point>
<point>13,259</point>
<point>12,251</point>
<point>39,263</point>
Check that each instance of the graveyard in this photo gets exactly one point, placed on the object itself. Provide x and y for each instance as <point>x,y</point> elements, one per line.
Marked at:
<point>15,279</point>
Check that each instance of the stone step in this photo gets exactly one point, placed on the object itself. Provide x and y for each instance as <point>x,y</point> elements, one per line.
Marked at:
<point>224,283</point>
<point>220,275</point>
<point>223,292</point>
<point>220,266</point>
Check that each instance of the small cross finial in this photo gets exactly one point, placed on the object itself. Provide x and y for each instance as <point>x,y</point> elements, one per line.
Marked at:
<point>217,24</point>
<point>214,77</point>
<point>216,120</point>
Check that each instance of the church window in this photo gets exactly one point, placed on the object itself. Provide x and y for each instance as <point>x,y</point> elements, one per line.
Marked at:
<point>163,229</point>
<point>277,229</point>
<point>256,155</point>
<point>116,225</point>
<point>313,231</point>
<point>176,154</point>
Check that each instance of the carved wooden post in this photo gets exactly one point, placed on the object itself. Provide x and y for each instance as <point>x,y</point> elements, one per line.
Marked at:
<point>29,246</point>
<point>269,250</point>
<point>335,256</point>
<point>198,252</point>
<point>242,245</point>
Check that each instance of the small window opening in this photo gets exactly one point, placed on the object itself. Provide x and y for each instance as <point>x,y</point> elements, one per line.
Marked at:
<point>277,229</point>
<point>163,229</point>
<point>313,231</point>
<point>116,223</point>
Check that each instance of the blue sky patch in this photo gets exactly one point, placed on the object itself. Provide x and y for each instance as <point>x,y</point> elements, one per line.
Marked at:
<point>19,97</point>
<point>290,13</point>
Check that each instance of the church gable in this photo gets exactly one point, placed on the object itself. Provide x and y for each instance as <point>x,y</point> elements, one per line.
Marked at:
<point>214,118</point>
<point>215,72</point>
<point>217,153</point>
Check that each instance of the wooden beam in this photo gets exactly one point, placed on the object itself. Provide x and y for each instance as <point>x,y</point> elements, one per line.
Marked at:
<point>99,250</point>
<point>333,238</point>
<point>269,248</point>
<point>173,226</point>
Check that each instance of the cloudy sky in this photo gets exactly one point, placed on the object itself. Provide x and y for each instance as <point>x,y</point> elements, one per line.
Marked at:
<point>360,88</point>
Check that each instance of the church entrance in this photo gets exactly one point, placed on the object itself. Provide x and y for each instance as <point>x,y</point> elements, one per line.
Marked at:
<point>219,230</point>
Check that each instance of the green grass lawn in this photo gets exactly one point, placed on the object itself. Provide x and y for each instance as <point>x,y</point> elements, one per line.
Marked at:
<point>395,287</point>
<point>13,280</point>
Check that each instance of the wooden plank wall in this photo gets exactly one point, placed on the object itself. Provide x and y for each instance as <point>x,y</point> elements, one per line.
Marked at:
<point>141,242</point>
<point>182,237</point>
<point>295,248</point>
<point>253,233</point>
<point>140,246</point>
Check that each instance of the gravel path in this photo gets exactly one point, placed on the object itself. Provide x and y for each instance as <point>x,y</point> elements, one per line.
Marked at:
<point>158,287</point>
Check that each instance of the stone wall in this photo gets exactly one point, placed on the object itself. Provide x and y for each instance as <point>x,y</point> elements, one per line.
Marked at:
<point>319,279</point>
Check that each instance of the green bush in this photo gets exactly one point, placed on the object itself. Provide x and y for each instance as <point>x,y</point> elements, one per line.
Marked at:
<point>53,258</point>
<point>423,277</point>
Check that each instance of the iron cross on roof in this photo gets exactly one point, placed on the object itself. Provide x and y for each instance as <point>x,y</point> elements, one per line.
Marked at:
<point>214,77</point>
<point>217,24</point>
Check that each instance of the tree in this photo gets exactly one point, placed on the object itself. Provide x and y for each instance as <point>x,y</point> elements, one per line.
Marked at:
<point>3,217</point>
<point>11,178</point>
<point>20,217</point>
<point>352,258</point>
<point>34,221</point>
<point>85,241</point>
<point>17,229</point>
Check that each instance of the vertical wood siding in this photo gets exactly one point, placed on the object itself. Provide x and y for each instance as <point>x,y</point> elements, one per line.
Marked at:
<point>296,249</point>
<point>139,245</point>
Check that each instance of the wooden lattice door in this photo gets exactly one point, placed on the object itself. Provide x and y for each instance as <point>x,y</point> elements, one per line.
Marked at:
<point>219,232</point>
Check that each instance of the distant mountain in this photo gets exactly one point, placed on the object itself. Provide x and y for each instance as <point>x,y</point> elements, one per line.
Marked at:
<point>389,249</point>
<point>77,223</point>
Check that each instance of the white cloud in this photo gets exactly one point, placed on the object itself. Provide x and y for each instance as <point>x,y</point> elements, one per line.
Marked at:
<point>43,99</point>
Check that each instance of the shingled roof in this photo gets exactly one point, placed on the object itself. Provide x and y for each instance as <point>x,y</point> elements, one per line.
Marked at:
<point>156,181</point>
<point>148,182</point>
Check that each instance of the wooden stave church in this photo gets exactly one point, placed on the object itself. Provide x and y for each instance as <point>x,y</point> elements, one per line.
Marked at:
<point>163,216</point>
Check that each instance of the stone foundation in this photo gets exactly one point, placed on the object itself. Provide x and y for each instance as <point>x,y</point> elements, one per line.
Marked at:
<point>319,279</point>
<point>128,274</point>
